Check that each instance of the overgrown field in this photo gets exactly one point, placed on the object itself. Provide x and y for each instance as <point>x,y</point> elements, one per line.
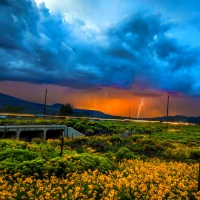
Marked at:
<point>116,160</point>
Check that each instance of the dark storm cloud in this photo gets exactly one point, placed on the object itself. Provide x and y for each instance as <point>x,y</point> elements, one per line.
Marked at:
<point>157,59</point>
<point>146,93</point>
<point>40,47</point>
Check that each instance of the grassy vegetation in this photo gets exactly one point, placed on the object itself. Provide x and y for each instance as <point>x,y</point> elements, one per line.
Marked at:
<point>178,142</point>
<point>116,160</point>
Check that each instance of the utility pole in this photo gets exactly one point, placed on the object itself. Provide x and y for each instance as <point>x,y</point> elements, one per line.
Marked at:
<point>167,110</point>
<point>129,112</point>
<point>45,102</point>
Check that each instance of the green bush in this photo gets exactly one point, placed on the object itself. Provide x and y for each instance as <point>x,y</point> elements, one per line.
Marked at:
<point>115,139</point>
<point>90,123</point>
<point>89,132</point>
<point>79,149</point>
<point>95,129</point>
<point>29,168</point>
<point>98,143</point>
<point>189,161</point>
<point>178,154</point>
<point>136,137</point>
<point>79,127</point>
<point>149,148</point>
<point>143,157</point>
<point>103,164</point>
<point>38,140</point>
<point>47,151</point>
<point>4,144</point>
<point>11,158</point>
<point>76,142</point>
<point>61,166</point>
<point>110,155</point>
<point>70,123</point>
<point>17,155</point>
<point>125,153</point>
<point>148,141</point>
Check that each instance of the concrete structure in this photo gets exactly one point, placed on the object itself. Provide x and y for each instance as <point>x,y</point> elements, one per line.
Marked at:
<point>28,132</point>
<point>72,133</point>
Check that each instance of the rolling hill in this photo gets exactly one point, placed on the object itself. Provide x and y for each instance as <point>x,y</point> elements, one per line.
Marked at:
<point>36,108</point>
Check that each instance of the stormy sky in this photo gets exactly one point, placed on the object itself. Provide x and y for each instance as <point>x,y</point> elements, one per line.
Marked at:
<point>141,49</point>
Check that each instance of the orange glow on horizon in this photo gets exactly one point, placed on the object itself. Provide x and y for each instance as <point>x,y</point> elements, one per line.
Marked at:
<point>118,100</point>
<point>120,107</point>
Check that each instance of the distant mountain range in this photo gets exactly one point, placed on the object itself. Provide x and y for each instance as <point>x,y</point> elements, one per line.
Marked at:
<point>36,108</point>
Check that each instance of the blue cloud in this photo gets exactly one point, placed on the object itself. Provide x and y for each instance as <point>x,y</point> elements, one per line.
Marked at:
<point>40,47</point>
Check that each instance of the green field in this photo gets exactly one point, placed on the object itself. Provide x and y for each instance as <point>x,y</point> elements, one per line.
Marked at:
<point>116,160</point>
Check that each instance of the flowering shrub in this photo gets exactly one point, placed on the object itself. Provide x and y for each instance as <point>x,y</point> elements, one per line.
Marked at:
<point>135,179</point>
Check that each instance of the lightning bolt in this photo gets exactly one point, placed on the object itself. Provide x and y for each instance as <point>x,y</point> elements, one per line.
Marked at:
<point>140,107</point>
<point>108,107</point>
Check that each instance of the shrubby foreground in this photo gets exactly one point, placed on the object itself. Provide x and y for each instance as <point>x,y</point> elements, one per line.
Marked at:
<point>150,163</point>
<point>134,179</point>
